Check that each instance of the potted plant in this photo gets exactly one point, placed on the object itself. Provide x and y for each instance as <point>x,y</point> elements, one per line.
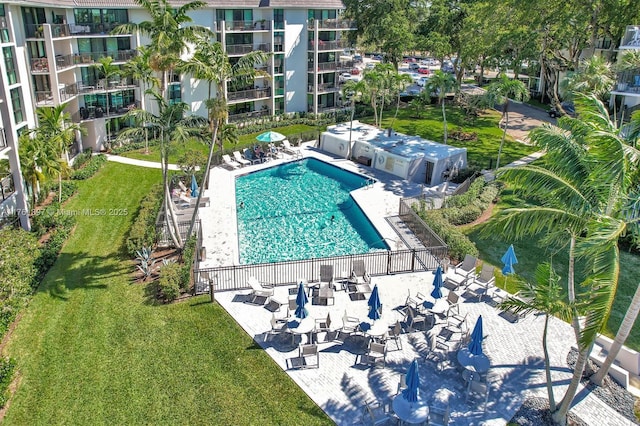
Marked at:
<point>263,23</point>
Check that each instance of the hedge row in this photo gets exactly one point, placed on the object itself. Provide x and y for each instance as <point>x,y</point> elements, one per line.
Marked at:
<point>68,189</point>
<point>458,243</point>
<point>472,208</point>
<point>90,168</point>
<point>143,229</point>
<point>81,159</point>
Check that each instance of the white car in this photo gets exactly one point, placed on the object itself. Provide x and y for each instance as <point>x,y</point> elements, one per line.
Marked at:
<point>345,76</point>
<point>422,81</point>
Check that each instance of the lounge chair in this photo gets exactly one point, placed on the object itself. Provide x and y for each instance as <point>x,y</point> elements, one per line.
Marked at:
<point>258,291</point>
<point>250,156</point>
<point>181,185</point>
<point>229,162</point>
<point>480,284</point>
<point>326,275</point>
<point>359,274</point>
<point>462,272</point>
<point>286,147</point>
<point>239,159</point>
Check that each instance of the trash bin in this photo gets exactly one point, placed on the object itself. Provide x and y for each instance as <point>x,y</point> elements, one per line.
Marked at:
<point>203,253</point>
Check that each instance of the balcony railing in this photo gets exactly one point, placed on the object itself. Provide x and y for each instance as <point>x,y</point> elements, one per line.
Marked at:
<point>233,118</point>
<point>631,39</point>
<point>330,45</point>
<point>3,139</point>
<point>65,61</point>
<point>40,65</point>
<point>332,66</point>
<point>243,49</point>
<point>102,86</point>
<point>68,91</point>
<point>332,24</point>
<point>249,94</point>
<point>245,25</point>
<point>91,112</point>
<point>44,98</point>
<point>93,57</point>
<point>7,188</point>
<point>324,87</point>
<point>92,29</point>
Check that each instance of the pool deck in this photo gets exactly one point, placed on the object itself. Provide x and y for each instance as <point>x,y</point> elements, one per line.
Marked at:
<point>219,224</point>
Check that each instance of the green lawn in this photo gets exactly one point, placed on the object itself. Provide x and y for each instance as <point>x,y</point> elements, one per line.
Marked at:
<point>479,152</point>
<point>93,348</point>
<point>530,254</point>
<point>243,141</point>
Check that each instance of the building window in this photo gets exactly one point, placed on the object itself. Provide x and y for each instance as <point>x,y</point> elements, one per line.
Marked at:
<point>175,94</point>
<point>278,19</point>
<point>9,62</point>
<point>16,102</point>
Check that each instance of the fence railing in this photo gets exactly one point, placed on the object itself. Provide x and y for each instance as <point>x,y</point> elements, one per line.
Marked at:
<point>7,188</point>
<point>421,230</point>
<point>162,233</point>
<point>226,278</point>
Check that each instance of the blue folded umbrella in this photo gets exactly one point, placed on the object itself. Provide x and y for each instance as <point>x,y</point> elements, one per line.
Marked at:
<point>437,284</point>
<point>413,383</point>
<point>194,186</point>
<point>475,346</point>
<point>374,304</point>
<point>301,300</point>
<point>509,259</point>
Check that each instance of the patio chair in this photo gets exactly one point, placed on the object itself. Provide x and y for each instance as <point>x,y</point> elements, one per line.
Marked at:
<point>375,353</point>
<point>394,334</point>
<point>402,384</point>
<point>326,275</point>
<point>462,272</point>
<point>309,356</point>
<point>278,326</point>
<point>438,415</point>
<point>249,155</point>
<point>359,274</point>
<point>238,157</point>
<point>324,324</point>
<point>376,413</point>
<point>435,354</point>
<point>350,324</point>
<point>182,187</point>
<point>229,162</point>
<point>414,301</point>
<point>478,392</point>
<point>480,284</point>
<point>413,319</point>
<point>258,291</point>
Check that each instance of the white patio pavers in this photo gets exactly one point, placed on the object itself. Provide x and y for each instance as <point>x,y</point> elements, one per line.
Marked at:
<point>340,387</point>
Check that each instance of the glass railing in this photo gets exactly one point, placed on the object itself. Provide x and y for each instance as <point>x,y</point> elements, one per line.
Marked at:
<point>249,94</point>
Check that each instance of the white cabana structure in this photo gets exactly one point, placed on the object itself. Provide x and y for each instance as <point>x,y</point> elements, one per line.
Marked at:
<point>410,157</point>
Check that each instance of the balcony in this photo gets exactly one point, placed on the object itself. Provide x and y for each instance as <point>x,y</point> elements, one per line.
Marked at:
<point>333,66</point>
<point>247,95</point>
<point>336,24</point>
<point>44,98</point>
<point>232,26</point>
<point>38,30</point>
<point>91,112</point>
<point>324,88</point>
<point>40,66</point>
<point>7,188</point>
<point>102,86</point>
<point>94,57</point>
<point>234,118</point>
<point>65,61</point>
<point>631,39</point>
<point>95,29</point>
<point>243,49</point>
<point>628,83</point>
<point>329,45</point>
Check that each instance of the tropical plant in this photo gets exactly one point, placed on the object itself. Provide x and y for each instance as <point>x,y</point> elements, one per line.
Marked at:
<point>581,193</point>
<point>594,76</point>
<point>441,83</point>
<point>37,160</point>
<point>399,82</point>
<point>147,262</point>
<point>353,91</point>
<point>546,296</point>
<point>108,72</point>
<point>501,91</point>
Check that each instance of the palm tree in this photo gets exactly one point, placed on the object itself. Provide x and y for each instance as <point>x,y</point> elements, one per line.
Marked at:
<point>172,126</point>
<point>441,83</point>
<point>399,83</point>
<point>211,63</point>
<point>33,152</point>
<point>594,76</point>
<point>139,69</point>
<point>108,70</point>
<point>170,32</point>
<point>546,297</point>
<point>499,92</point>
<point>373,81</point>
<point>353,91</point>
<point>55,127</point>
<point>581,193</point>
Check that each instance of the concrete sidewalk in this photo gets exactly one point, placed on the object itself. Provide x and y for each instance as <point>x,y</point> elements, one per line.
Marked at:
<point>140,163</point>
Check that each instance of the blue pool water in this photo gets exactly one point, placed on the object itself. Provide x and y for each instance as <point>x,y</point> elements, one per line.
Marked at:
<point>287,214</point>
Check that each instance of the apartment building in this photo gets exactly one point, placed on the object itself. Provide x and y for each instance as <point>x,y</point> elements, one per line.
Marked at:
<point>628,80</point>
<point>52,50</point>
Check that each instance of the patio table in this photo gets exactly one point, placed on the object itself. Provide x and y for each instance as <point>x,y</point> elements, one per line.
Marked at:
<point>411,412</point>
<point>377,330</point>
<point>301,326</point>
<point>480,363</point>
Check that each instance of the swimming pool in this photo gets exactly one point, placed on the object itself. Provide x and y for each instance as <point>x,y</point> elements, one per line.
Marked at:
<point>301,210</point>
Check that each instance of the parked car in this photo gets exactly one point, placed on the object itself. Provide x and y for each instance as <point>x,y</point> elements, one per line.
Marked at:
<point>357,59</point>
<point>566,106</point>
<point>422,81</point>
<point>377,57</point>
<point>346,76</point>
<point>370,66</point>
<point>424,70</point>
<point>355,71</point>
<point>414,66</point>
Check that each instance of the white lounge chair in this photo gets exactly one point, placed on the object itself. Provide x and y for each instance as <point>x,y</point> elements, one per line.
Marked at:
<point>238,157</point>
<point>229,162</point>
<point>258,291</point>
<point>286,146</point>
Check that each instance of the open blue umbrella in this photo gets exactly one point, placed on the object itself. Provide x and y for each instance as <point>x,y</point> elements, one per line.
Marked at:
<point>194,186</point>
<point>270,136</point>
<point>374,304</point>
<point>301,300</point>
<point>437,284</point>
<point>413,383</point>
<point>475,346</point>
<point>509,259</point>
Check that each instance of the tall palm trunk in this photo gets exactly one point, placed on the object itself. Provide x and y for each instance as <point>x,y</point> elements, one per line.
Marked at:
<point>170,215</point>
<point>504,131</point>
<point>560,415</point>
<point>396,114</point>
<point>621,336</point>
<point>444,119</point>
<point>571,288</point>
<point>547,365</point>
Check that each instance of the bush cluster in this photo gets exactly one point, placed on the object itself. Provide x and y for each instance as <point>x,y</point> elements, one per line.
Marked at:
<point>187,261</point>
<point>68,189</point>
<point>7,367</point>
<point>260,125</point>
<point>143,229</point>
<point>458,243</point>
<point>133,146</point>
<point>90,168</point>
<point>169,282</point>
<point>81,159</point>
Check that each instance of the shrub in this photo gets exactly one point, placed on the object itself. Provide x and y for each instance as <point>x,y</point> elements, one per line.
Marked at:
<point>468,197</point>
<point>187,260</point>
<point>169,282</point>
<point>462,215</point>
<point>7,367</point>
<point>81,159</point>
<point>458,243</point>
<point>143,229</point>
<point>90,168</point>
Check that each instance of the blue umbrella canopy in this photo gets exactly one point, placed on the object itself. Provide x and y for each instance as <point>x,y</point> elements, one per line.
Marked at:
<point>509,259</point>
<point>475,346</point>
<point>301,300</point>
<point>374,304</point>
<point>437,284</point>
<point>413,383</point>
<point>194,186</point>
<point>270,136</point>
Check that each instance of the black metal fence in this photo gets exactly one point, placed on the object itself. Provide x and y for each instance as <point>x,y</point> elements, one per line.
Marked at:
<point>421,230</point>
<point>378,263</point>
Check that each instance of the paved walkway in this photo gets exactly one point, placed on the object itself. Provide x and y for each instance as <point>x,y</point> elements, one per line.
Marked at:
<point>140,163</point>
